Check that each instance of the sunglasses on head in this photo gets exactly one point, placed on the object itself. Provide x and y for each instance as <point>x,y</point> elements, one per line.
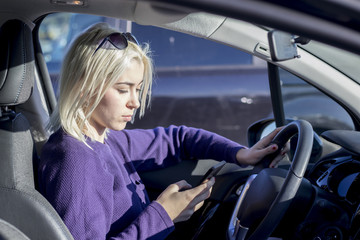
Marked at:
<point>117,40</point>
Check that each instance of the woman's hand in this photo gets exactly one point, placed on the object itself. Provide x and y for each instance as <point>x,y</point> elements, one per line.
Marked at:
<point>180,205</point>
<point>262,148</point>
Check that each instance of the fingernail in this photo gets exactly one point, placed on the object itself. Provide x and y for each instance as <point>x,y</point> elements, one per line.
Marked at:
<point>274,147</point>
<point>283,153</point>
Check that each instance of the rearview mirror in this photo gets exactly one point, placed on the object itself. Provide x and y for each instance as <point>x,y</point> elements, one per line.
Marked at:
<point>283,45</point>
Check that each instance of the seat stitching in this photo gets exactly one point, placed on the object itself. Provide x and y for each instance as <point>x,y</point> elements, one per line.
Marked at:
<point>24,66</point>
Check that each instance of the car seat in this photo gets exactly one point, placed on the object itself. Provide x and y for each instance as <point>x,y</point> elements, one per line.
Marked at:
<point>22,207</point>
<point>8,231</point>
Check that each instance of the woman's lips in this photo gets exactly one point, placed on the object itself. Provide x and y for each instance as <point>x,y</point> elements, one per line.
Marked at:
<point>127,118</point>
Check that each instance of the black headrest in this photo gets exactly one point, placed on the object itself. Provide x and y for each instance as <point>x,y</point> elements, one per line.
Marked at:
<point>16,63</point>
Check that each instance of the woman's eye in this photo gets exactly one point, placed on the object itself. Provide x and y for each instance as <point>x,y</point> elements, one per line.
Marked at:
<point>122,90</point>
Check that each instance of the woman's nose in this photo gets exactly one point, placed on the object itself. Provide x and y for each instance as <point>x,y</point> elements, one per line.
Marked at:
<point>133,102</point>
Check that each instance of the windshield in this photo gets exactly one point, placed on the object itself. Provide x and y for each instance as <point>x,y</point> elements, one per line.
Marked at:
<point>346,62</point>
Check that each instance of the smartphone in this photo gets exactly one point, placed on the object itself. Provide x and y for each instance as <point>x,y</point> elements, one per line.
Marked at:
<point>212,171</point>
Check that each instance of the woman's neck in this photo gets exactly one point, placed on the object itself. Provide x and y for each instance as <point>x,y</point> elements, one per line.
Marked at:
<point>97,134</point>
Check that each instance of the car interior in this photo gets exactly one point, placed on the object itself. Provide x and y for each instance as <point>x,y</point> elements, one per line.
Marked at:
<point>314,194</point>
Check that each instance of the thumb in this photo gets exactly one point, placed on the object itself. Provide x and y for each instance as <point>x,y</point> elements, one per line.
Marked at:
<point>266,141</point>
<point>182,185</point>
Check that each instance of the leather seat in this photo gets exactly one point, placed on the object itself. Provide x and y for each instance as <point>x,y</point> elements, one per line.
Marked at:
<point>8,231</point>
<point>21,205</point>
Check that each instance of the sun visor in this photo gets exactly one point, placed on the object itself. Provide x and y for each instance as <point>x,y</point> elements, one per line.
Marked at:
<point>198,24</point>
<point>148,13</point>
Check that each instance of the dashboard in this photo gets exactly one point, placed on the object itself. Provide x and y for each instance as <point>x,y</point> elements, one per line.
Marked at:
<point>336,183</point>
<point>340,176</point>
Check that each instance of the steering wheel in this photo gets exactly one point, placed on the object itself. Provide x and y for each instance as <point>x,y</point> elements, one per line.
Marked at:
<point>260,190</point>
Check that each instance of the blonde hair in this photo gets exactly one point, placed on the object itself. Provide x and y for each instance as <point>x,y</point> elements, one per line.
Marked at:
<point>85,77</point>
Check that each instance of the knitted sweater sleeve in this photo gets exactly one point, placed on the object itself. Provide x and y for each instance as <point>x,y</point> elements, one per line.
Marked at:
<point>161,147</point>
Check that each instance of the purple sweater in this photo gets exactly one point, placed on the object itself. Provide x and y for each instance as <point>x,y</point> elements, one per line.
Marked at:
<point>98,193</point>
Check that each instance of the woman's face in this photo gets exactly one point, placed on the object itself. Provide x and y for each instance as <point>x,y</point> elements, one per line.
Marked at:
<point>120,101</point>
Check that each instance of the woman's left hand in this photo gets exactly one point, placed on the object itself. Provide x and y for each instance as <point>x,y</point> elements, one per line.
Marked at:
<point>253,155</point>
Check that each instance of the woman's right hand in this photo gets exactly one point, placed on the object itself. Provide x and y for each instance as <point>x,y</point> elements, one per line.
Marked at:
<point>180,201</point>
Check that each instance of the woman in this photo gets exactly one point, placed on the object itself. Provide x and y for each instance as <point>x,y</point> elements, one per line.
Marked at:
<point>89,166</point>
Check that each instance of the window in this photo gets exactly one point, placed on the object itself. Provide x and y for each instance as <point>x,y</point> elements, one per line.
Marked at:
<point>303,101</point>
<point>174,49</point>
